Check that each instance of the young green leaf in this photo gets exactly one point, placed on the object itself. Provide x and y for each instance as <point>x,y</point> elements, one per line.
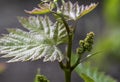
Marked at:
<point>86,78</point>
<point>41,40</point>
<point>74,11</point>
<point>89,73</point>
<point>43,9</point>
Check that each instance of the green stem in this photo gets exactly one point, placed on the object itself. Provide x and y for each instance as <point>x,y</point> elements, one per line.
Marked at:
<point>67,75</point>
<point>69,50</point>
<point>67,68</point>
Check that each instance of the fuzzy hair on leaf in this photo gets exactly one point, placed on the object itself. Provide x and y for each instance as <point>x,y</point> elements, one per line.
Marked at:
<point>41,40</point>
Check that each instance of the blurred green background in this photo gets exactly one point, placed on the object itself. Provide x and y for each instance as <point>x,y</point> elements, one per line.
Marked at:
<point>109,40</point>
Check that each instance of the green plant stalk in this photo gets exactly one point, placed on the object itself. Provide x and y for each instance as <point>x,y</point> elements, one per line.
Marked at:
<point>68,70</point>
<point>69,51</point>
<point>67,75</point>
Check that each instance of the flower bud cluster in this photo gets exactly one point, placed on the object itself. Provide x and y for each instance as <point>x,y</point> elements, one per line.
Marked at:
<point>41,78</point>
<point>86,44</point>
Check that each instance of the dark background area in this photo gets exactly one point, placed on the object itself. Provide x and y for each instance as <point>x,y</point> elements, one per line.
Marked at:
<point>25,71</point>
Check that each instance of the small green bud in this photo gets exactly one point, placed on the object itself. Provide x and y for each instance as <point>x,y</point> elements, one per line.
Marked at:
<point>89,37</point>
<point>91,34</point>
<point>80,50</point>
<point>86,45</point>
<point>89,48</point>
<point>81,42</point>
<point>40,78</point>
<point>89,41</point>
